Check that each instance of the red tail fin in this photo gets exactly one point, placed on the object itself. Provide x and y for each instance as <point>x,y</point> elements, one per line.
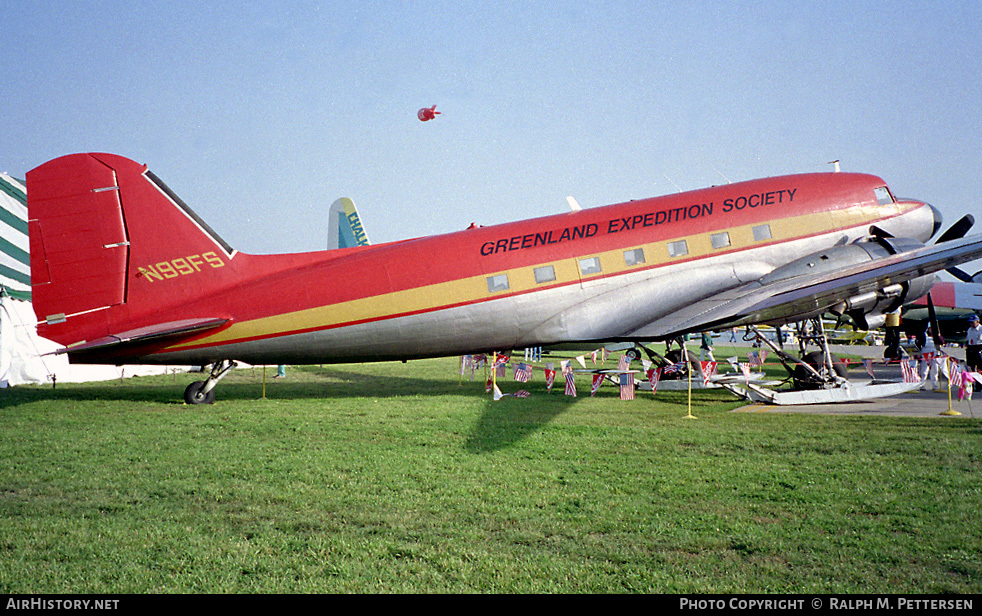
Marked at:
<point>110,244</point>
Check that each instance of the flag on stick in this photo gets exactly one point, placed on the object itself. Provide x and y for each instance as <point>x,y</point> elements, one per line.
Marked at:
<point>909,370</point>
<point>523,372</point>
<point>627,387</point>
<point>568,375</point>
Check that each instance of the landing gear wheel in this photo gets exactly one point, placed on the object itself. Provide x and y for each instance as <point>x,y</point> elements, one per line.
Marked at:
<point>675,357</point>
<point>193,395</point>
<point>805,379</point>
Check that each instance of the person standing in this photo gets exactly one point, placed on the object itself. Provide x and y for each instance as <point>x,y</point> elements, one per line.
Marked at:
<point>706,348</point>
<point>927,360</point>
<point>973,344</point>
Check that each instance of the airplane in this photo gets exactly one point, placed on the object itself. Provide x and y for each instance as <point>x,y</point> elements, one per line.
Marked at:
<point>953,303</point>
<point>123,271</point>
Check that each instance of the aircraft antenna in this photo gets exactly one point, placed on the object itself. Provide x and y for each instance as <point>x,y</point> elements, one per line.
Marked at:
<point>721,173</point>
<point>835,166</point>
<point>673,183</point>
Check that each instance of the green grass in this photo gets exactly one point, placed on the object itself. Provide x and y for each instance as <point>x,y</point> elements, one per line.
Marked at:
<point>400,478</point>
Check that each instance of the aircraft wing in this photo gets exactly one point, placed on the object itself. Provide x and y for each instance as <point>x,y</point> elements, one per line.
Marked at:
<point>801,297</point>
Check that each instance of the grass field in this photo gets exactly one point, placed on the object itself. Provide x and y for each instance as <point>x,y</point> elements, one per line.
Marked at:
<point>401,478</point>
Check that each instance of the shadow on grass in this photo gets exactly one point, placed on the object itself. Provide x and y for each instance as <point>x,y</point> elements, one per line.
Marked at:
<point>303,384</point>
<point>500,425</point>
<point>504,423</point>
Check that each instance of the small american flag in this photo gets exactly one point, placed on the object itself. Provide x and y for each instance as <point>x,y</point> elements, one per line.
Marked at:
<point>487,386</point>
<point>624,362</point>
<point>597,380</point>
<point>754,359</point>
<point>521,393</point>
<point>909,369</point>
<point>523,372</point>
<point>627,387</point>
<point>868,363</point>
<point>570,385</point>
<point>672,369</point>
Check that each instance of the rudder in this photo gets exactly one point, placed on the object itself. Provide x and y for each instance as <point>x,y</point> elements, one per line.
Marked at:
<point>110,245</point>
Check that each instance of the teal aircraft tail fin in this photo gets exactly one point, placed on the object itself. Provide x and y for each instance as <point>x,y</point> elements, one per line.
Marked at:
<point>344,226</point>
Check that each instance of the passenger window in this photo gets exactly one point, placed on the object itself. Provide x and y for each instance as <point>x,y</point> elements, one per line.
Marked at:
<point>634,257</point>
<point>678,249</point>
<point>883,196</point>
<point>762,232</point>
<point>590,266</point>
<point>546,273</point>
<point>498,283</point>
<point>720,240</point>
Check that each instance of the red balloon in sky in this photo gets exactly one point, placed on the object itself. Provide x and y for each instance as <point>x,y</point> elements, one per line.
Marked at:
<point>427,113</point>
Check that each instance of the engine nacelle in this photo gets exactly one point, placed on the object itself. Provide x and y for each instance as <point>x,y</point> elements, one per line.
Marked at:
<point>867,310</point>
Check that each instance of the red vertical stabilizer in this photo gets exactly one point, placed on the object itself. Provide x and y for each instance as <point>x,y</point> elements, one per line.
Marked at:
<point>110,245</point>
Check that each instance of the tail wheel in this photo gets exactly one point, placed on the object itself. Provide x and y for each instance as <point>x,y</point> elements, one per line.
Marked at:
<point>193,395</point>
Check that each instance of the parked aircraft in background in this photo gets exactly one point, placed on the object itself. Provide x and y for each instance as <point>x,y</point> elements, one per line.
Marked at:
<point>124,272</point>
<point>953,303</point>
<point>344,226</point>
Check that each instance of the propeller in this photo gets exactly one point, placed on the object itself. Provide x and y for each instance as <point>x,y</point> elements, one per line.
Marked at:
<point>954,232</point>
<point>961,274</point>
<point>957,230</point>
<point>933,320</point>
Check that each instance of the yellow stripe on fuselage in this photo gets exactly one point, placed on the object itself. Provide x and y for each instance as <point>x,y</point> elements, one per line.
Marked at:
<point>475,288</point>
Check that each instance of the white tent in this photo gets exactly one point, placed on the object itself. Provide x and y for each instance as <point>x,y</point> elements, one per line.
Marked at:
<point>22,353</point>
<point>25,357</point>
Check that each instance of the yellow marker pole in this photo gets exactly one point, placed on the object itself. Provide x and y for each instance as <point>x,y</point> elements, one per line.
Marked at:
<point>494,372</point>
<point>950,411</point>
<point>264,382</point>
<point>688,370</point>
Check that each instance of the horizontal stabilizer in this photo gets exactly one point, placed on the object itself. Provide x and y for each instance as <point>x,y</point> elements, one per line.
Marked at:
<point>144,335</point>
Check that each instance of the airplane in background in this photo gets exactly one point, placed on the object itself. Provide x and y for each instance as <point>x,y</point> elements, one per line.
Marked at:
<point>123,271</point>
<point>344,226</point>
<point>952,304</point>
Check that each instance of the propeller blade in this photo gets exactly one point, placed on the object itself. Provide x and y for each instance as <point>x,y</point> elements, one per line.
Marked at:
<point>960,274</point>
<point>878,232</point>
<point>933,318</point>
<point>957,230</point>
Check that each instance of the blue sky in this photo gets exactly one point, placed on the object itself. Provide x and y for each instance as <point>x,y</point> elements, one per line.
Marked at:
<point>260,114</point>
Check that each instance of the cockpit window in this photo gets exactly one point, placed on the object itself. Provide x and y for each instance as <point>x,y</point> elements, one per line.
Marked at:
<point>883,196</point>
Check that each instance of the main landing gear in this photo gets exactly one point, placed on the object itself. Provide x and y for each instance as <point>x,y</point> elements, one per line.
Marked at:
<point>203,392</point>
<point>817,378</point>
